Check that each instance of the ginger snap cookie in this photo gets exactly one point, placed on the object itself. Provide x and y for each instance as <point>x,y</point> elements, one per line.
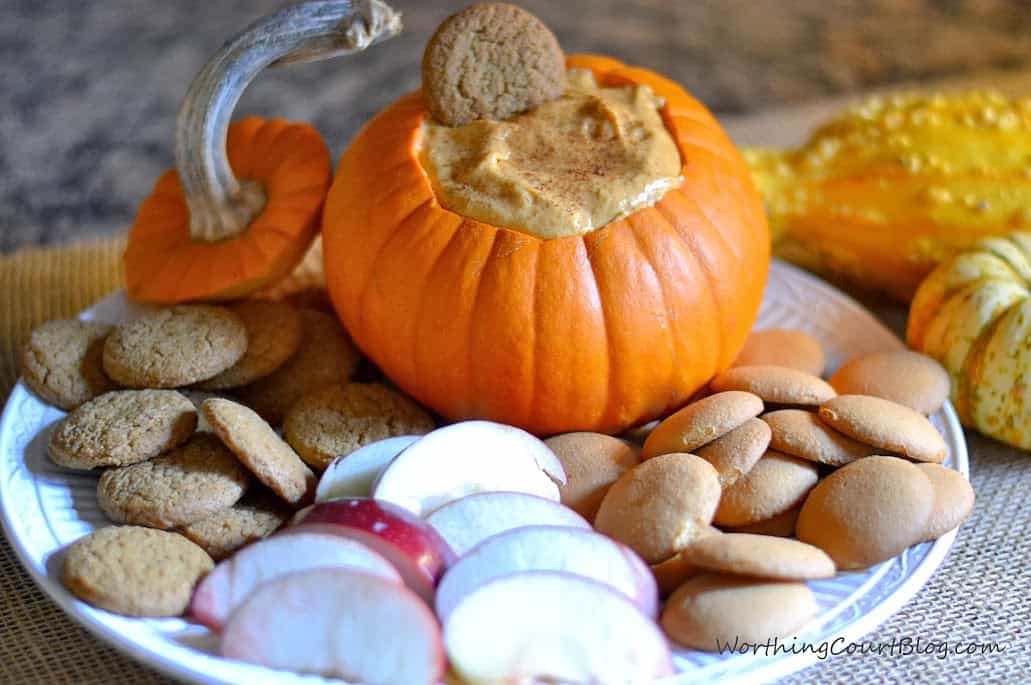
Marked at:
<point>759,556</point>
<point>734,454</point>
<point>169,348</point>
<point>63,362</point>
<point>198,397</point>
<point>783,347</point>
<point>868,511</point>
<point>658,507</point>
<point>715,609</point>
<point>592,462</point>
<point>267,456</point>
<point>775,385</point>
<point>254,517</point>
<point>701,422</point>
<point>338,419</point>
<point>890,426</point>
<point>775,484</point>
<point>801,434</point>
<point>189,483</point>
<point>489,61</point>
<point>135,571</point>
<point>326,356</point>
<point>274,333</point>
<point>122,427</point>
<point>953,499</point>
<point>903,376</point>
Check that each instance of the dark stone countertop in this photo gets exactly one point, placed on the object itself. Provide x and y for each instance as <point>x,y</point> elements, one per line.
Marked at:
<point>91,89</point>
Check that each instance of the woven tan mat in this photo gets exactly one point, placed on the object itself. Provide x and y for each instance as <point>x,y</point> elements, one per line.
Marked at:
<point>982,594</point>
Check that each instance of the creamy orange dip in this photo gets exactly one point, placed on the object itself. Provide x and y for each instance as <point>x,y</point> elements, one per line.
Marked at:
<point>564,168</point>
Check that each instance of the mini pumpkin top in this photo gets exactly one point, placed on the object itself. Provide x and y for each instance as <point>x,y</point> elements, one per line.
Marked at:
<point>243,204</point>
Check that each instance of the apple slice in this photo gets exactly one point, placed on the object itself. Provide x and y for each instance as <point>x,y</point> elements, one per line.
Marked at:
<point>338,623</point>
<point>233,580</point>
<point>465,522</point>
<point>550,548</point>
<point>554,626</point>
<point>354,474</point>
<point>415,549</point>
<point>466,458</point>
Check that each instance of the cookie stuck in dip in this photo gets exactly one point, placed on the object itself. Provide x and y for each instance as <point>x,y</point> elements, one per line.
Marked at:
<point>489,61</point>
<point>569,166</point>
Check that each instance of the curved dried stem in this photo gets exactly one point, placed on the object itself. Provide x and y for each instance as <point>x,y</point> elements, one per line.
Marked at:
<point>221,205</point>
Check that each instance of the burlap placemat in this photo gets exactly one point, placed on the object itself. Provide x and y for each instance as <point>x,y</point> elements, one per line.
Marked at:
<point>982,594</point>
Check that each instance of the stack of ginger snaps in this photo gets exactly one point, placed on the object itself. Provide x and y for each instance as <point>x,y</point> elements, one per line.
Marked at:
<point>178,413</point>
<point>207,425</point>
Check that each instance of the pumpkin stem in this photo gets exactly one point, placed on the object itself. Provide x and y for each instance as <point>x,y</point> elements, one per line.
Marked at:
<point>221,205</point>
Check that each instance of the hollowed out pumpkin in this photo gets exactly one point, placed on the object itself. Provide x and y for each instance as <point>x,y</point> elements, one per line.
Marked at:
<point>594,332</point>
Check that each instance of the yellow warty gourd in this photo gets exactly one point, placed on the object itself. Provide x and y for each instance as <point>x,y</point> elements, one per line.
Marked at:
<point>973,314</point>
<point>886,191</point>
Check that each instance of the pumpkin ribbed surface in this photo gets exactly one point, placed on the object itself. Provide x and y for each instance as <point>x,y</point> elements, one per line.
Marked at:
<point>592,332</point>
<point>973,314</point>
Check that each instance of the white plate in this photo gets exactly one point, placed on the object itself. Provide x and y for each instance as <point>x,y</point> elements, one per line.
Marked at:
<point>44,508</point>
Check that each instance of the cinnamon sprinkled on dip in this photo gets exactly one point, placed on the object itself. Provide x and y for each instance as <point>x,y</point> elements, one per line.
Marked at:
<point>565,168</point>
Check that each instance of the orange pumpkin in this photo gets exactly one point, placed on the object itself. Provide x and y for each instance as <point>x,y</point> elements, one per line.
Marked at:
<point>594,332</point>
<point>242,206</point>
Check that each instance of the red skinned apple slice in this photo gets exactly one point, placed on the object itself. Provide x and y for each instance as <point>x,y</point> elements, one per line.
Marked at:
<point>464,459</point>
<point>468,521</point>
<point>556,627</point>
<point>353,475</point>
<point>550,548</point>
<point>338,623</point>
<point>415,549</point>
<point>233,580</point>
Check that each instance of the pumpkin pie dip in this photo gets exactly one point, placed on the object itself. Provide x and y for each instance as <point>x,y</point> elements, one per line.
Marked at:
<point>564,168</point>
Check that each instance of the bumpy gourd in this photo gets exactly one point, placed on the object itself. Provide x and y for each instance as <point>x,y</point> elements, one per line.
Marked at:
<point>883,193</point>
<point>592,332</point>
<point>243,204</point>
<point>973,314</point>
